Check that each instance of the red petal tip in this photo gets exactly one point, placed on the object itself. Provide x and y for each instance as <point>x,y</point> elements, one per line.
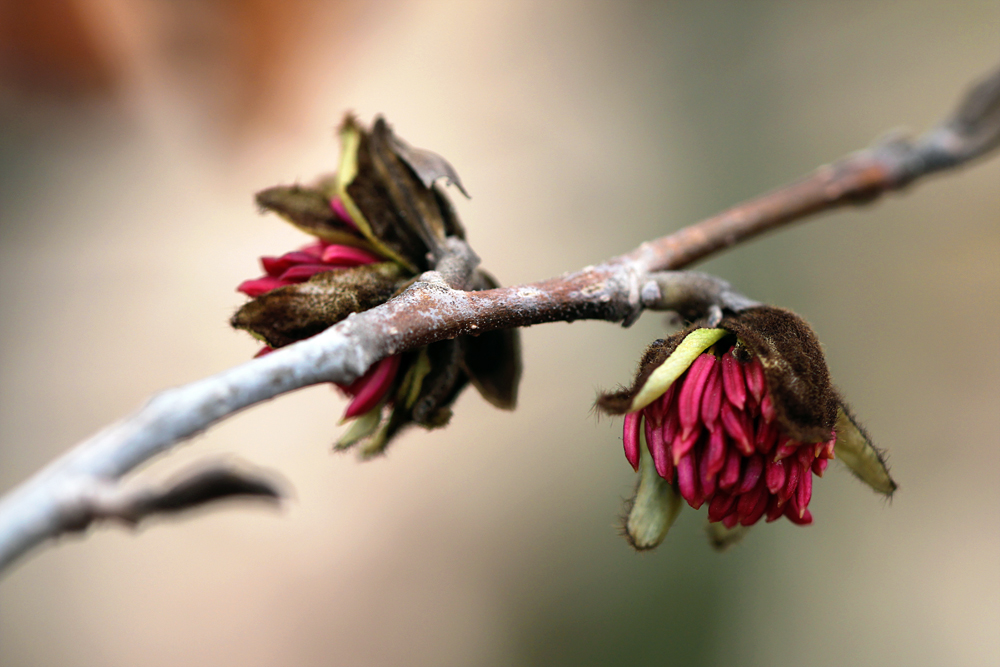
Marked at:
<point>260,286</point>
<point>343,255</point>
<point>689,400</point>
<point>372,386</point>
<point>630,437</point>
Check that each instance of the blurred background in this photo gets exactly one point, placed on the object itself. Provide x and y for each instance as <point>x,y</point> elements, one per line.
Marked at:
<point>133,134</point>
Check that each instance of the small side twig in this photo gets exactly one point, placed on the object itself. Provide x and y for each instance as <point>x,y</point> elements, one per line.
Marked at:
<point>83,485</point>
<point>970,132</point>
<point>692,294</point>
<point>192,488</point>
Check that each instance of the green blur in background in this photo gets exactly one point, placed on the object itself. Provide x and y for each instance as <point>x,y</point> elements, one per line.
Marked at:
<point>128,160</point>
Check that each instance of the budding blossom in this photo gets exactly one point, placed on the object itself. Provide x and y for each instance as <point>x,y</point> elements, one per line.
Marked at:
<point>715,430</point>
<point>299,266</point>
<point>378,224</point>
<point>739,418</point>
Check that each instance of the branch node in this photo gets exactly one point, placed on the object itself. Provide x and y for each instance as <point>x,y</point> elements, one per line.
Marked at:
<point>650,293</point>
<point>634,299</point>
<point>694,295</point>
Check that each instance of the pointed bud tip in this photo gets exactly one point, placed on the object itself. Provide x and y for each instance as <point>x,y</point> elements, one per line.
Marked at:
<point>856,450</point>
<point>652,510</point>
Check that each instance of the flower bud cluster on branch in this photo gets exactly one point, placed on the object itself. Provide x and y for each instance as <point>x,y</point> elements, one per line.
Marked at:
<point>379,223</point>
<point>386,301</point>
<point>739,417</point>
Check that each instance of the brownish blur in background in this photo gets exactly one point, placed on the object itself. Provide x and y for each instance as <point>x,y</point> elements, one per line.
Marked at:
<point>133,136</point>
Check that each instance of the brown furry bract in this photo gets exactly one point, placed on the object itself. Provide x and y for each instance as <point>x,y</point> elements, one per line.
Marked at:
<point>793,363</point>
<point>294,312</point>
<point>795,368</point>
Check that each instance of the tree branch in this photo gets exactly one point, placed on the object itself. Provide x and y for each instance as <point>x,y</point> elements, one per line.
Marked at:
<point>970,132</point>
<point>82,486</point>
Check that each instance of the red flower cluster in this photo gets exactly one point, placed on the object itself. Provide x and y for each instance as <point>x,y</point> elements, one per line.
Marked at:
<point>715,428</point>
<point>381,221</point>
<point>299,266</point>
